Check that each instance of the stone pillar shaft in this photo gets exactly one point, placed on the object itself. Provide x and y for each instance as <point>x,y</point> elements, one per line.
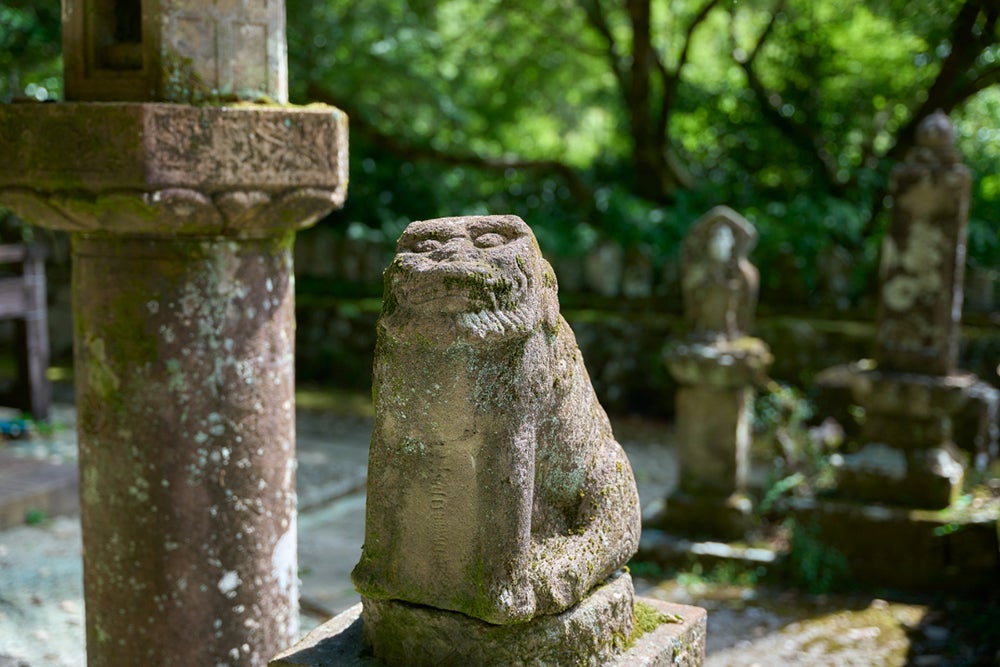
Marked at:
<point>184,367</point>
<point>713,438</point>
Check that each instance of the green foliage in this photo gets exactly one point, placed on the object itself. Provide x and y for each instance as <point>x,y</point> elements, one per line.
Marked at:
<point>723,573</point>
<point>789,112</point>
<point>35,516</point>
<point>604,119</point>
<point>815,565</point>
<point>800,454</point>
<point>30,50</point>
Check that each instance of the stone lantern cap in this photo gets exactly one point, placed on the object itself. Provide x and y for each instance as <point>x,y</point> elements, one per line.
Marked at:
<point>175,50</point>
<point>168,168</point>
<point>725,363</point>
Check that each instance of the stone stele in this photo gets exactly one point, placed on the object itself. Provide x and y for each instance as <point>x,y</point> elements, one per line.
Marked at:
<point>719,283</point>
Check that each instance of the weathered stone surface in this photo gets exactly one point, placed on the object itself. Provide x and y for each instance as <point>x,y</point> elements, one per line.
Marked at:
<point>720,284</point>
<point>923,256</point>
<point>723,364</point>
<point>713,439</point>
<point>184,314</point>
<point>175,50</point>
<point>912,394</point>
<point>948,550</point>
<point>496,488</point>
<point>907,454</point>
<point>147,168</point>
<point>589,633</point>
<point>680,642</point>
<point>185,402</point>
<point>717,368</point>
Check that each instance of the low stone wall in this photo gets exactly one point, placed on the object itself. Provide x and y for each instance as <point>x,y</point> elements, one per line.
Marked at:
<point>623,349</point>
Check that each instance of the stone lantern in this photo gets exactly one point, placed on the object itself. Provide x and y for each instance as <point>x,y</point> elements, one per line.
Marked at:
<point>174,50</point>
<point>183,218</point>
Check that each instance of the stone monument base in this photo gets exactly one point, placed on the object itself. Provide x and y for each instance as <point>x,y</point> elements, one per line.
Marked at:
<point>717,518</point>
<point>877,473</point>
<point>948,550</point>
<point>593,632</point>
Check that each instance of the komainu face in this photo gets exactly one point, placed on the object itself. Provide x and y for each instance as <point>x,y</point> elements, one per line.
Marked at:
<point>480,277</point>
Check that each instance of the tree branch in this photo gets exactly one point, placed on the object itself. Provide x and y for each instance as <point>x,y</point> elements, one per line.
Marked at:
<point>695,22</point>
<point>416,152</point>
<point>670,78</point>
<point>797,133</point>
<point>985,79</point>
<point>948,90</point>
<point>597,19</point>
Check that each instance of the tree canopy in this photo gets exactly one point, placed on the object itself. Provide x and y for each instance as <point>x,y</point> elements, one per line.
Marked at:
<point>632,117</point>
<point>629,118</point>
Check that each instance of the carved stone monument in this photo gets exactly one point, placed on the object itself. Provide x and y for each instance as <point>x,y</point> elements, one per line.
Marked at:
<point>183,219</point>
<point>893,516</point>
<point>501,510</point>
<point>717,368</point>
<point>907,455</point>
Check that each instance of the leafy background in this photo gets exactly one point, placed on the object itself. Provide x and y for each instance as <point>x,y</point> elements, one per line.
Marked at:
<point>625,120</point>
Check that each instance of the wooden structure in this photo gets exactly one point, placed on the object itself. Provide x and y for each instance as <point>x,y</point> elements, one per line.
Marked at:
<point>22,298</point>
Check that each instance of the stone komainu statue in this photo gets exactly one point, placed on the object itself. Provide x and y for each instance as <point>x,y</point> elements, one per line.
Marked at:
<point>495,486</point>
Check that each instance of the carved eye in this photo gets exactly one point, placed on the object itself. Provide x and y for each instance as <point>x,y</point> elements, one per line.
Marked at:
<point>490,240</point>
<point>426,245</point>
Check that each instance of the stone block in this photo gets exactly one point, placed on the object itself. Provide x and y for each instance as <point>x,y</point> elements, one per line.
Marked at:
<point>589,633</point>
<point>923,255</point>
<point>948,550</point>
<point>713,439</point>
<point>174,50</point>
<point>679,642</point>
<point>726,518</point>
<point>921,478</point>
<point>148,168</point>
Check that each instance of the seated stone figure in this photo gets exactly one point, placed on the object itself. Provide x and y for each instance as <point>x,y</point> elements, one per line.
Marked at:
<point>495,485</point>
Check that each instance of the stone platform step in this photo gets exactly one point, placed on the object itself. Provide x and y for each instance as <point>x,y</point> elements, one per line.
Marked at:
<point>31,486</point>
<point>677,643</point>
<point>951,551</point>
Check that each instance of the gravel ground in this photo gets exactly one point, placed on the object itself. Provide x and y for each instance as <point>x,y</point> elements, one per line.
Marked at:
<point>41,606</point>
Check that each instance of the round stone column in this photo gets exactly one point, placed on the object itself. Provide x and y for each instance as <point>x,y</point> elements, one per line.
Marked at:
<point>184,330</point>
<point>184,378</point>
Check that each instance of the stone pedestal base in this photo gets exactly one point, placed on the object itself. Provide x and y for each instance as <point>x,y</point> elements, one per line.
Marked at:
<point>930,478</point>
<point>948,550</point>
<point>713,438</point>
<point>714,408</point>
<point>433,637</point>
<point>591,632</point>
<point>907,456</point>
<point>726,518</point>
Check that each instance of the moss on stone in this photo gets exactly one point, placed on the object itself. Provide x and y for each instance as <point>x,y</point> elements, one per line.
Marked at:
<point>646,619</point>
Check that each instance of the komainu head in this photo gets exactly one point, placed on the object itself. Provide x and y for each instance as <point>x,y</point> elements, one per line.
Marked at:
<point>474,278</point>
